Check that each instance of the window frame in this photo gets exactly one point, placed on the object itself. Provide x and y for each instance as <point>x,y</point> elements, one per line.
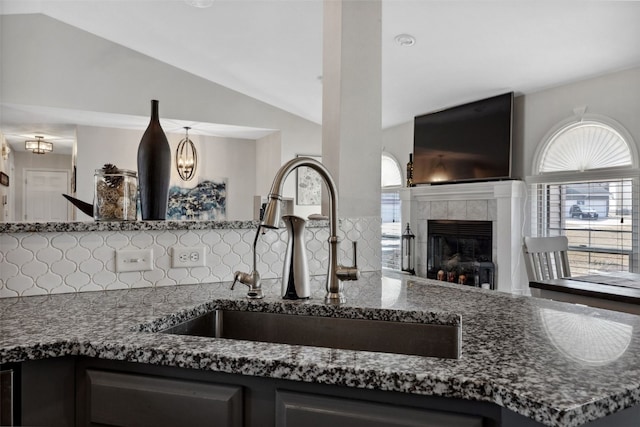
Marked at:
<point>571,122</point>
<point>399,169</point>
<point>540,225</point>
<point>395,190</point>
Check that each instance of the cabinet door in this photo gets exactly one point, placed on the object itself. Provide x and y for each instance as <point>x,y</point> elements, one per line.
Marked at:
<point>122,399</point>
<point>47,392</point>
<point>310,410</point>
<point>7,404</point>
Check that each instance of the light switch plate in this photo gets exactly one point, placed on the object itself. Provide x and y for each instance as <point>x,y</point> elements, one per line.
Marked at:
<point>188,257</point>
<point>134,260</point>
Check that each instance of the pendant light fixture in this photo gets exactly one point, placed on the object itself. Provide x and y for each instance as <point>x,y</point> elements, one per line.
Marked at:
<point>38,145</point>
<point>186,158</point>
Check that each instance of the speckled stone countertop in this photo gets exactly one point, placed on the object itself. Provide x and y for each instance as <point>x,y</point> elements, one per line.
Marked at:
<point>560,364</point>
<point>39,227</point>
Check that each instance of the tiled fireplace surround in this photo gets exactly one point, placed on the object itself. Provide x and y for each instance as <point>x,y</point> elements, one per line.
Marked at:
<point>501,202</point>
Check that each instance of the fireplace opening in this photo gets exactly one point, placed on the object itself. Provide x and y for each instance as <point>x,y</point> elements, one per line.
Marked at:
<point>461,252</point>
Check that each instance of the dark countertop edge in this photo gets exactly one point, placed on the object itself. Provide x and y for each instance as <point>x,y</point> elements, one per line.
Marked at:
<point>83,226</point>
<point>588,289</point>
<point>241,365</point>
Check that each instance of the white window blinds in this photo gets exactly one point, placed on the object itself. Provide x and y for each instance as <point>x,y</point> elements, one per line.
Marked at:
<point>390,181</point>
<point>391,229</point>
<point>585,145</point>
<point>598,217</point>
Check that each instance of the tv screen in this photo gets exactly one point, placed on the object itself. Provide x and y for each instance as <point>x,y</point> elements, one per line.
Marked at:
<point>470,142</point>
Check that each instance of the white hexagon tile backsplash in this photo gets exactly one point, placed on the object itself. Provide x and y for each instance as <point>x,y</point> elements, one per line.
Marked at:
<point>62,262</point>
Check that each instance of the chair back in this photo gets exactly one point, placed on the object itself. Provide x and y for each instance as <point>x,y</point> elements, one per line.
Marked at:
<point>546,257</point>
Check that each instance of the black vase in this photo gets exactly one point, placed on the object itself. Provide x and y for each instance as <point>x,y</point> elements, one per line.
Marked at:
<point>154,169</point>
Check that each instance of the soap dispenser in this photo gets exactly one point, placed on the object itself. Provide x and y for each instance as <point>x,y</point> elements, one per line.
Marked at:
<point>295,273</point>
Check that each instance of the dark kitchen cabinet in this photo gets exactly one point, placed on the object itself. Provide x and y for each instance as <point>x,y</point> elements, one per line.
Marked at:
<point>47,392</point>
<point>311,410</point>
<point>8,402</point>
<point>127,399</point>
<point>132,394</point>
<point>79,391</point>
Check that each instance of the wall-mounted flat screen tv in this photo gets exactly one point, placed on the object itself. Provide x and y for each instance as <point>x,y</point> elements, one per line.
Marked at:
<point>470,142</point>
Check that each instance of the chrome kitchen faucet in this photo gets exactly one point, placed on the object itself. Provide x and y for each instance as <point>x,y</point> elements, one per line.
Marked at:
<point>336,273</point>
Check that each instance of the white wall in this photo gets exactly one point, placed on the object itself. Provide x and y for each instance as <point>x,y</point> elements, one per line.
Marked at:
<point>398,141</point>
<point>268,155</point>
<point>615,95</point>
<point>229,158</point>
<point>88,73</point>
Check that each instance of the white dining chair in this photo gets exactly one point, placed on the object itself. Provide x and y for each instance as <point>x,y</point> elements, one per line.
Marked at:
<point>546,257</point>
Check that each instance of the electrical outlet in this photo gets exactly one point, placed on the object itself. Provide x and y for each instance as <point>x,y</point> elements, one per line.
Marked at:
<point>188,257</point>
<point>134,260</point>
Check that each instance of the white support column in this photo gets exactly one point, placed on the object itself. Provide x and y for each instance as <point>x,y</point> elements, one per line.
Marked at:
<point>351,112</point>
<point>511,274</point>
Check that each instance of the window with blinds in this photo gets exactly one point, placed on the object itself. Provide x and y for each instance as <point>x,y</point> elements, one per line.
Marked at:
<point>598,219</point>
<point>586,188</point>
<point>391,181</point>
<point>391,230</point>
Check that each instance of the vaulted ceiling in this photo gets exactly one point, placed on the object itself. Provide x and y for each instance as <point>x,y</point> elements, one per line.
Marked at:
<point>272,49</point>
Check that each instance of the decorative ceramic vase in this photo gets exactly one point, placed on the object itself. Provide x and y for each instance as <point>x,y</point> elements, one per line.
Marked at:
<point>154,169</point>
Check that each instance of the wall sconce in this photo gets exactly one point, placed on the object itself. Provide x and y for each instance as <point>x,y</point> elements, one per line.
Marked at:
<point>38,145</point>
<point>407,248</point>
<point>186,158</point>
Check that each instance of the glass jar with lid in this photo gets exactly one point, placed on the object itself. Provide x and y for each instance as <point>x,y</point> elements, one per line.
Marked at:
<point>116,193</point>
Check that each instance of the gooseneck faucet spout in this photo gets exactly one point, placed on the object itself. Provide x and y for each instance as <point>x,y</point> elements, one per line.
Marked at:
<point>271,219</point>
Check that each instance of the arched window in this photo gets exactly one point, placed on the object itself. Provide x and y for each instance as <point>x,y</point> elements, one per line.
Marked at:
<point>585,187</point>
<point>585,145</point>
<point>390,209</point>
<point>391,175</point>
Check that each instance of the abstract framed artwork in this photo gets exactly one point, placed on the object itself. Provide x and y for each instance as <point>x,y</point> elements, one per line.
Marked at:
<point>206,201</point>
<point>308,184</point>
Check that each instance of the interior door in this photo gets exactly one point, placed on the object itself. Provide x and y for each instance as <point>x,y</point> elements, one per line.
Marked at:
<point>43,195</point>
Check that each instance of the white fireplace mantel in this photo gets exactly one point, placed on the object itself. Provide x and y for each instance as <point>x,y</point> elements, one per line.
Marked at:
<point>469,191</point>
<point>502,202</point>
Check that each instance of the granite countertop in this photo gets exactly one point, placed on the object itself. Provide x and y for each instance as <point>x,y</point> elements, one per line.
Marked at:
<point>40,227</point>
<point>560,364</point>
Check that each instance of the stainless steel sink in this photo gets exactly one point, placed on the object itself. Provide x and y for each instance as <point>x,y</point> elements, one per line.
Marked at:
<point>420,339</point>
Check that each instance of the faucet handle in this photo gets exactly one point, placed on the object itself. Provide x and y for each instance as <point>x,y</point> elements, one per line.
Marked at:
<point>237,277</point>
<point>345,273</point>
